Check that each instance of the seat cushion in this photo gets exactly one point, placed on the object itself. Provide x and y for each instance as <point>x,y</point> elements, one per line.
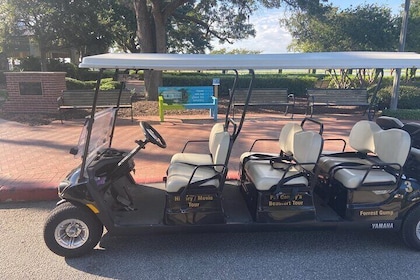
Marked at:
<point>264,176</point>
<point>179,175</point>
<point>326,163</point>
<point>248,154</point>
<point>192,158</point>
<point>352,178</point>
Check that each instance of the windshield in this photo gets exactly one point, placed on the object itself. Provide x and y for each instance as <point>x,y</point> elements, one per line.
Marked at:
<point>101,134</point>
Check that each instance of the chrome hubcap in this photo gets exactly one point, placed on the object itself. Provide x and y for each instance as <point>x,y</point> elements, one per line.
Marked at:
<point>71,233</point>
<point>418,230</point>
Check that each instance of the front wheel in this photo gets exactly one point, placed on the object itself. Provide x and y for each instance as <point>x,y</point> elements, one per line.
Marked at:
<point>411,229</point>
<point>72,231</point>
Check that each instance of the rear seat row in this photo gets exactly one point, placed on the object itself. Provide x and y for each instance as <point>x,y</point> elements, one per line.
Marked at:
<point>299,153</point>
<point>377,160</point>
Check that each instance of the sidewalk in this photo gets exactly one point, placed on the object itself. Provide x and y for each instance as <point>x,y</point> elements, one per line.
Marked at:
<point>34,159</point>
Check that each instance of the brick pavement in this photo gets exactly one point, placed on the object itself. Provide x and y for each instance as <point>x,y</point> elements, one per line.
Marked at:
<point>34,159</point>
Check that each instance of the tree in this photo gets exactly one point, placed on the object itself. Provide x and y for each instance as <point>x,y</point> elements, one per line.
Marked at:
<point>56,24</point>
<point>366,27</point>
<point>85,25</point>
<point>413,34</point>
<point>234,51</point>
<point>200,21</point>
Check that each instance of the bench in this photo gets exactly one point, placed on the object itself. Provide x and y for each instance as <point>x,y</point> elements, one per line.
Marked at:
<point>83,99</point>
<point>265,97</point>
<point>180,98</point>
<point>336,97</point>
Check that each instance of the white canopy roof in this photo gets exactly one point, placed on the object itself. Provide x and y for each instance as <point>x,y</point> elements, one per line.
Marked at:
<point>326,60</point>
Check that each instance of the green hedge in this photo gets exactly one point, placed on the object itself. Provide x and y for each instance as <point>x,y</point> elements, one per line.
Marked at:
<point>106,84</point>
<point>409,97</point>
<point>402,114</point>
<point>296,84</point>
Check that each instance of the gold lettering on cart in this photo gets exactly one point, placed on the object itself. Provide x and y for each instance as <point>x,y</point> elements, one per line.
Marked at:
<point>284,200</point>
<point>191,198</point>
<point>376,213</point>
<point>193,204</point>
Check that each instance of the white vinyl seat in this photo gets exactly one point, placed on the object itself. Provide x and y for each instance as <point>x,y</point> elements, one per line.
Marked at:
<point>361,139</point>
<point>285,142</point>
<point>198,158</point>
<point>179,174</point>
<point>306,149</point>
<point>392,148</point>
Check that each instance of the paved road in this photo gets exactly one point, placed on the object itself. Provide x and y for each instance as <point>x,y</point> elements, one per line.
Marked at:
<point>284,255</point>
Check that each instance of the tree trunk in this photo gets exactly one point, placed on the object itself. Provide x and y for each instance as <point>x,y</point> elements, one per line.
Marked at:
<point>151,31</point>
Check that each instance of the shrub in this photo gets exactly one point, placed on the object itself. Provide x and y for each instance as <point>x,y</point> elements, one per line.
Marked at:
<point>106,84</point>
<point>73,84</point>
<point>402,114</point>
<point>29,63</point>
<point>58,66</point>
<point>408,98</point>
<point>296,84</point>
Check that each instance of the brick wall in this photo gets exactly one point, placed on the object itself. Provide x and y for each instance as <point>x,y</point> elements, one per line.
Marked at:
<point>52,83</point>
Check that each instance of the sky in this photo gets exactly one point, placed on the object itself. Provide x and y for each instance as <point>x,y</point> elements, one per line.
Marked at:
<point>271,38</point>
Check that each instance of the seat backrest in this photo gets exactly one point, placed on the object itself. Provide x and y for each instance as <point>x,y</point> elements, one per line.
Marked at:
<point>286,138</point>
<point>307,148</point>
<point>361,136</point>
<point>222,144</point>
<point>214,134</point>
<point>392,145</point>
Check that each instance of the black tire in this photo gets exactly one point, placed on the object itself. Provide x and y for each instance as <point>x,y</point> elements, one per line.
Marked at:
<point>72,231</point>
<point>410,230</point>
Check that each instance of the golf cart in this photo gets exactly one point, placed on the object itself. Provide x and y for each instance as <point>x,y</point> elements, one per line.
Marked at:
<point>373,187</point>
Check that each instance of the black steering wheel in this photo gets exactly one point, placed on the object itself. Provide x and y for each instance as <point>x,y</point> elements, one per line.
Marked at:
<point>152,135</point>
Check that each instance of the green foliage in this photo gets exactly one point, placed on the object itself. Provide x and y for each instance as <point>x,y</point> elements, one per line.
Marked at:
<point>29,63</point>
<point>403,114</point>
<point>413,34</point>
<point>234,51</point>
<point>296,84</point>
<point>57,66</point>
<point>365,27</point>
<point>409,97</point>
<point>73,84</point>
<point>106,84</point>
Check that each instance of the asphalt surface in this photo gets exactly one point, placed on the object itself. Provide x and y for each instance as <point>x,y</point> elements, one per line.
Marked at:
<point>266,255</point>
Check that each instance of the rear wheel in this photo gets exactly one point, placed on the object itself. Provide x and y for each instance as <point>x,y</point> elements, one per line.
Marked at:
<point>72,231</point>
<point>411,229</point>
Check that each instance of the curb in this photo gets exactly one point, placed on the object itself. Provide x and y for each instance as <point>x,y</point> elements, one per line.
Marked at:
<point>37,192</point>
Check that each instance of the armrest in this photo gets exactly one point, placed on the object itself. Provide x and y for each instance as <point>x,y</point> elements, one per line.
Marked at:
<point>292,97</point>
<point>193,141</point>
<point>260,140</point>
<point>60,100</point>
<point>214,99</point>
